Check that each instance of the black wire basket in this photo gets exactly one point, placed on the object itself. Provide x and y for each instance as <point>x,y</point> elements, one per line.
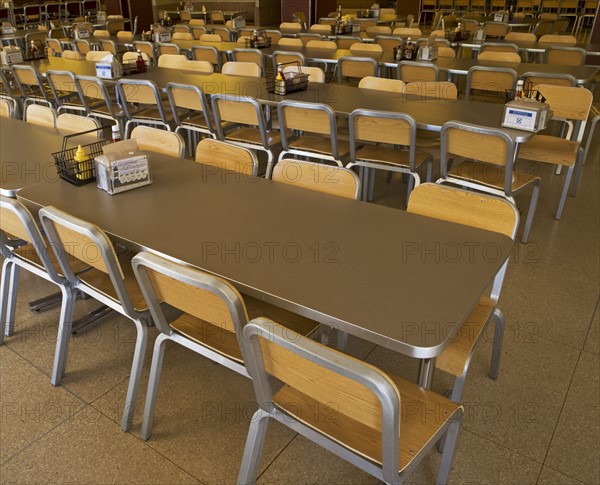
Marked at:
<point>294,81</point>
<point>70,170</point>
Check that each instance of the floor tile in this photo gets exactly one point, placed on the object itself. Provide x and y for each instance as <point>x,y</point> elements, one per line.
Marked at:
<point>89,448</point>
<point>203,413</point>
<point>575,448</point>
<point>30,405</point>
<point>552,477</point>
<point>592,343</point>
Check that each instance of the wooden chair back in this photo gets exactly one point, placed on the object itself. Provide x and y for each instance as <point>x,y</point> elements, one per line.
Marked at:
<point>382,84</point>
<point>237,111</point>
<point>497,47</point>
<point>571,103</point>
<point>109,46</point>
<point>388,43</point>
<point>167,48</point>
<point>125,36</point>
<point>182,36</point>
<point>290,28</point>
<point>208,54</point>
<point>499,57</point>
<point>565,56</point>
<point>101,33</point>
<point>197,22</point>
<point>283,57</point>
<point>315,74</point>
<point>217,17</point>
<point>72,55</point>
<point>357,67</point>
<point>308,120</point>
<point>410,71</point>
<point>362,49</point>
<point>446,52</point>
<point>82,46</point>
<point>96,56</point>
<point>223,32</point>
<point>534,78</point>
<point>285,41</point>
<point>490,80</point>
<point>254,56</point>
<point>248,69</point>
<point>474,145</point>
<point>70,123</point>
<point>376,30</point>
<point>407,32</point>
<point>344,41</point>
<point>322,44</point>
<point>319,177</point>
<point>171,61</point>
<point>226,156</point>
<point>198,31</point>
<point>520,37</point>
<point>496,29</point>
<point>40,115</point>
<point>181,28</point>
<point>558,39</point>
<point>321,29</point>
<point>464,207</point>
<point>159,141</point>
<point>132,57</point>
<point>306,37</point>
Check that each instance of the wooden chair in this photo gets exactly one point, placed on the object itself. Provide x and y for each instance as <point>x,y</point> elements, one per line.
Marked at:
<point>498,47</point>
<point>191,112</point>
<point>110,281</point>
<point>543,27</point>
<point>499,57</point>
<point>23,246</point>
<point>171,61</point>
<point>95,56</point>
<point>142,104</point>
<point>163,48</point>
<point>251,126</point>
<point>284,57</point>
<point>99,102</point>
<point>54,47</point>
<point>32,87</point>
<point>181,28</point>
<point>307,37</point>
<point>571,106</point>
<point>363,49</point>
<point>333,180</point>
<point>490,83</point>
<point>197,22</point>
<point>210,38</point>
<point>316,127</point>
<point>109,45</point>
<point>376,30</point>
<point>560,26</point>
<point>565,56</point>
<point>321,29</point>
<point>248,69</point>
<point>353,68</point>
<point>487,156</point>
<point>274,35</point>
<point>285,41</point>
<point>159,141</point>
<point>532,79</point>
<point>345,41</point>
<point>315,74</point>
<point>382,84</point>
<point>290,28</point>
<point>382,140</point>
<point>446,52</point>
<point>496,29</point>
<point>209,54</point>
<point>292,375</point>
<point>131,56</point>
<point>182,36</point>
<point>213,317</point>
<point>223,32</point>
<point>254,56</point>
<point>70,123</point>
<point>82,46</point>
<point>40,115</point>
<point>483,212</point>
<point>388,43</point>
<point>322,44</point>
<point>72,55</point>
<point>66,91</point>
<point>226,156</point>
<point>101,33</point>
<point>125,36</point>
<point>520,37</point>
<point>197,32</point>
<point>145,48</point>
<point>217,17</point>
<point>407,32</point>
<point>413,71</point>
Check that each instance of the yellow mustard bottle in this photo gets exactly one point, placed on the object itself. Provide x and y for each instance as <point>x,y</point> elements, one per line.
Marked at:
<point>83,166</point>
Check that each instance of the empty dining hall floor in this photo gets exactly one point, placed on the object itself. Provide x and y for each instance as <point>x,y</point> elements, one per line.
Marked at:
<point>537,424</point>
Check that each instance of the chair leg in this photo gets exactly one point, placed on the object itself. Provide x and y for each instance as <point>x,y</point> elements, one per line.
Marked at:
<point>451,440</point>
<point>270,159</point>
<point>5,287</point>
<point>64,333</point>
<point>498,317</point>
<point>11,307</point>
<point>531,213</point>
<point>563,196</point>
<point>136,373</point>
<point>578,168</point>
<point>153,383</point>
<point>254,447</point>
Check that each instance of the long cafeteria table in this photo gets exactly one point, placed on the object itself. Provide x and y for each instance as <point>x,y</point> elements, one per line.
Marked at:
<point>396,279</point>
<point>534,47</point>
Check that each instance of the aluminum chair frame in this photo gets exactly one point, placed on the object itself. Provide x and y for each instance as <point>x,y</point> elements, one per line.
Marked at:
<point>417,64</point>
<point>473,69</point>
<point>13,109</point>
<point>181,123</point>
<point>366,60</point>
<point>349,368</point>
<point>566,49</point>
<point>113,115</point>
<point>262,127</point>
<point>62,102</point>
<point>214,50</point>
<point>49,217</point>
<point>335,156</point>
<point>299,55</point>
<point>43,97</point>
<point>195,279</point>
<point>414,179</point>
<point>506,191</point>
<point>237,51</point>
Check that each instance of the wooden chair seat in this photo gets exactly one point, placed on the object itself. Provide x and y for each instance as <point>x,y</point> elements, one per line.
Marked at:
<point>388,155</point>
<point>252,135</point>
<point>455,357</point>
<point>319,144</point>
<point>550,149</point>
<point>490,175</point>
<point>366,441</point>
<point>101,282</point>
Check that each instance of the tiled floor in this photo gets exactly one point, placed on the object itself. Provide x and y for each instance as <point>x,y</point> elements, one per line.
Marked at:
<point>539,423</point>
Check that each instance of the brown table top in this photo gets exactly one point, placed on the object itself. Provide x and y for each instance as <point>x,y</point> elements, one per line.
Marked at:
<point>346,263</point>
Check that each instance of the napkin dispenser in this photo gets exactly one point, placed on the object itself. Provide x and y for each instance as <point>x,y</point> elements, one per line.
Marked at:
<point>108,68</point>
<point>526,114</point>
<point>11,54</point>
<point>7,28</point>
<point>427,53</point>
<point>122,167</point>
<point>238,22</point>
